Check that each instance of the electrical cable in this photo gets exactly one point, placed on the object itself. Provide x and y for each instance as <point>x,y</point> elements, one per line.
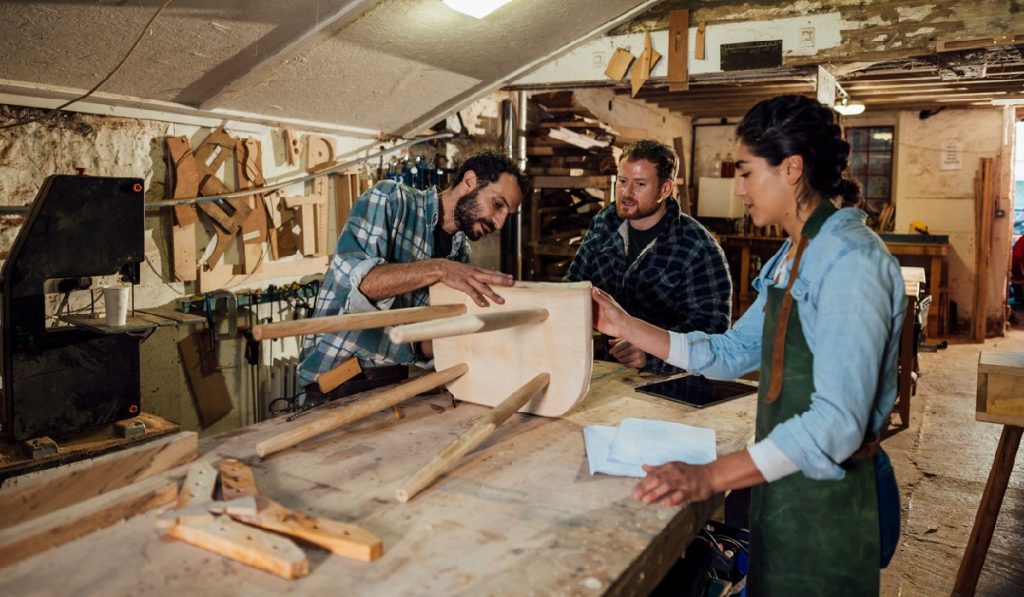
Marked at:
<point>131,50</point>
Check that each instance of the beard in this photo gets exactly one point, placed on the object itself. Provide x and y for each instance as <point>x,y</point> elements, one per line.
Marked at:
<point>468,213</point>
<point>638,211</point>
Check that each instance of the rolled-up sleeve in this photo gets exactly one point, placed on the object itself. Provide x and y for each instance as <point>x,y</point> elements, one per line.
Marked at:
<point>357,301</point>
<point>853,324</point>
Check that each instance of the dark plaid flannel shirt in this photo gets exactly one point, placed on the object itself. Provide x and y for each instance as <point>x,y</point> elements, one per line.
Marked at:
<point>680,282</point>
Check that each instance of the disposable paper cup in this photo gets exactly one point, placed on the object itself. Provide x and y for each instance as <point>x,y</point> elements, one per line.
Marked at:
<point>116,302</point>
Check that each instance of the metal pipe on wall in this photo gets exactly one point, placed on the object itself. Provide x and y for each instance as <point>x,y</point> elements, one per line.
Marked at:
<point>512,232</point>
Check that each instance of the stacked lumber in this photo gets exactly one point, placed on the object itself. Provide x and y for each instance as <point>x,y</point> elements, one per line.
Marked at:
<point>572,157</point>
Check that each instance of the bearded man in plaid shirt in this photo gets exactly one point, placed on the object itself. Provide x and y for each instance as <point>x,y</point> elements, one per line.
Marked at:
<point>397,242</point>
<point>660,264</point>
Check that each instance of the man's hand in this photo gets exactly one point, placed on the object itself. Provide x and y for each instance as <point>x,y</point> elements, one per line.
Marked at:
<point>474,281</point>
<point>609,317</point>
<point>627,354</point>
<point>674,483</point>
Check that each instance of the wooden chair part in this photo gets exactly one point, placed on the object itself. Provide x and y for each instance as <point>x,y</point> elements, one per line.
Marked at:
<point>353,321</point>
<point>467,324</point>
<point>323,421</point>
<point>502,361</point>
<point>480,431</point>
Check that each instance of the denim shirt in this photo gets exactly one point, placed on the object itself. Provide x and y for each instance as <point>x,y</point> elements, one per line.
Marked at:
<point>851,302</point>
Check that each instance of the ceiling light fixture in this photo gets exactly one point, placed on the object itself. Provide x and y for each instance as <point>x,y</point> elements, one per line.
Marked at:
<point>846,108</point>
<point>476,8</point>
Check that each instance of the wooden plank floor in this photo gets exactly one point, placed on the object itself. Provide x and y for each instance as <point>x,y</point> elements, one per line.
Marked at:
<point>520,515</point>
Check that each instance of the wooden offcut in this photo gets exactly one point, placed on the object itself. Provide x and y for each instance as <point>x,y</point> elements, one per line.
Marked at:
<point>60,526</point>
<point>985,211</point>
<point>247,545</point>
<point>209,388</point>
<point>502,361</point>
<point>200,482</point>
<point>329,380</point>
<point>341,539</point>
<point>236,480</point>
<point>678,50</point>
<point>619,64</point>
<point>38,494</point>
<point>292,147</point>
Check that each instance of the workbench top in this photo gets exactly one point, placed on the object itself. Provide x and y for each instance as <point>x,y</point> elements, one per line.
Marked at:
<point>520,515</point>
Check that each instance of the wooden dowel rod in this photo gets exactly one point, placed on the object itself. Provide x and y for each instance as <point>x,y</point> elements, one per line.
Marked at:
<point>353,321</point>
<point>480,431</point>
<point>322,422</point>
<point>467,324</point>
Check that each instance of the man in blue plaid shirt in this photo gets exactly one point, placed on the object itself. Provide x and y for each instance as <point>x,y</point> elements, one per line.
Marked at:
<point>398,241</point>
<point>660,264</point>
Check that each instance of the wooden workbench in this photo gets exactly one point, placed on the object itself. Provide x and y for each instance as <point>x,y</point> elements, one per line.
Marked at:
<point>521,515</point>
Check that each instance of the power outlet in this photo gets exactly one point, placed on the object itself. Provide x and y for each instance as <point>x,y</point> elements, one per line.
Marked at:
<point>597,60</point>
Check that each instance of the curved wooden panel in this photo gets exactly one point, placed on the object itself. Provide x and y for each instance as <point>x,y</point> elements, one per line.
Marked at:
<point>502,361</point>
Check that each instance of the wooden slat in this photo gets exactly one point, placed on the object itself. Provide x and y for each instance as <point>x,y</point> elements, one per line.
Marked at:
<point>61,526</point>
<point>341,539</point>
<point>247,545</point>
<point>236,480</point>
<point>38,494</point>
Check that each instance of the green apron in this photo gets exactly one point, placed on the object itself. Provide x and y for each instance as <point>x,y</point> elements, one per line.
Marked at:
<point>808,537</point>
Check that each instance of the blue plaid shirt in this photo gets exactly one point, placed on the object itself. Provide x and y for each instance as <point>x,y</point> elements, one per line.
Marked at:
<point>680,282</point>
<point>390,223</point>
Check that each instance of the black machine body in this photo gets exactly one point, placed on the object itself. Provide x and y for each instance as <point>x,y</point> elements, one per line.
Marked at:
<point>58,379</point>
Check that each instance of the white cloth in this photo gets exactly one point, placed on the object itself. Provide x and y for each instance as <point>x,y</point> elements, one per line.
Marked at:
<point>624,450</point>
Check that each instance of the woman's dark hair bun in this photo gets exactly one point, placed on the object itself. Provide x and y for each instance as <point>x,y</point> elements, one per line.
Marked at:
<point>789,125</point>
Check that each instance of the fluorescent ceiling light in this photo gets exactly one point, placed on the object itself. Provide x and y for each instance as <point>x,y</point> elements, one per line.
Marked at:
<point>476,8</point>
<point>846,108</point>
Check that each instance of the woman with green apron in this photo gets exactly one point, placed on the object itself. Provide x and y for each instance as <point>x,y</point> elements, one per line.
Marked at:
<point>824,332</point>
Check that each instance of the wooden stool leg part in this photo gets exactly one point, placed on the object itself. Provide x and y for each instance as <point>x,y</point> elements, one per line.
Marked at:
<point>354,321</point>
<point>371,404</point>
<point>247,545</point>
<point>341,539</point>
<point>988,511</point>
<point>480,431</point>
<point>467,324</point>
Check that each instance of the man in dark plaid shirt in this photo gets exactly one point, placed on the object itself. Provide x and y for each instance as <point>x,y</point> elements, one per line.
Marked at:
<point>660,264</point>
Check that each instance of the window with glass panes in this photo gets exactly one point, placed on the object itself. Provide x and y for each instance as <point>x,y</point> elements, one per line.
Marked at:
<point>871,164</point>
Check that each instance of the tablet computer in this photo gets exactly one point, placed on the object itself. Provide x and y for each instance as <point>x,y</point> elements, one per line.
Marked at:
<point>698,391</point>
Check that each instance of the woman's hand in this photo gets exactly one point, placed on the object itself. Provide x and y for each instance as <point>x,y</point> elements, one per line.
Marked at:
<point>674,483</point>
<point>609,317</point>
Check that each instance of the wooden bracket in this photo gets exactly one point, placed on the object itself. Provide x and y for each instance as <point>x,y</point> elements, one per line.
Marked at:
<point>678,50</point>
<point>292,147</point>
<point>247,545</point>
<point>236,480</point>
<point>698,50</point>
